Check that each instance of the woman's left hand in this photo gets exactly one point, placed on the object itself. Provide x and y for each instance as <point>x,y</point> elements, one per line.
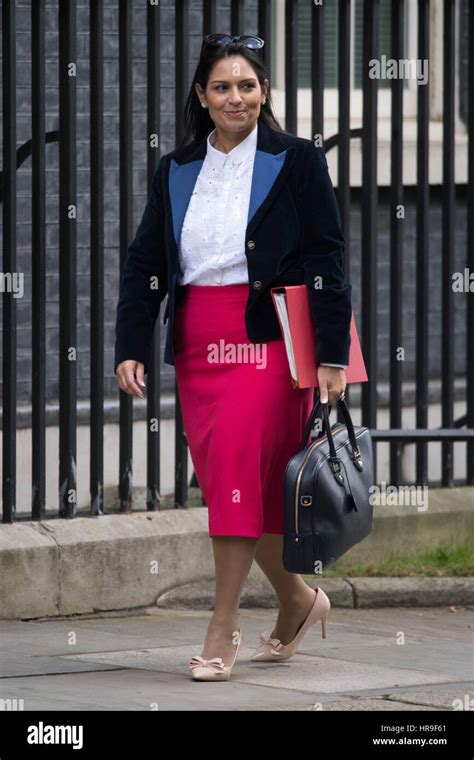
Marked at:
<point>332,384</point>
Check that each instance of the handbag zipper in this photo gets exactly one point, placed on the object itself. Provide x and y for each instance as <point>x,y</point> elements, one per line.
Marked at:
<point>297,490</point>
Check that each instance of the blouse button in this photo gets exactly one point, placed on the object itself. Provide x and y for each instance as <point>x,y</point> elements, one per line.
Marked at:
<point>251,245</point>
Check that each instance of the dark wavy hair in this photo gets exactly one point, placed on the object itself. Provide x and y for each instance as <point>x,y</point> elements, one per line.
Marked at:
<point>197,122</point>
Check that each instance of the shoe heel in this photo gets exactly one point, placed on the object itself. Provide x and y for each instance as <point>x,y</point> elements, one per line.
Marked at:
<point>323,626</point>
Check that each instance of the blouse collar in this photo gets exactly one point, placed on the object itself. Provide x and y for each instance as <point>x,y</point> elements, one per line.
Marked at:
<point>218,160</point>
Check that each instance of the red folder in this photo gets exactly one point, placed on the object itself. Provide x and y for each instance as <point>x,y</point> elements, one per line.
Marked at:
<point>294,315</point>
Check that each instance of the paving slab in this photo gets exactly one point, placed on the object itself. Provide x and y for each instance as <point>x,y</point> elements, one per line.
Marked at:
<point>383,659</point>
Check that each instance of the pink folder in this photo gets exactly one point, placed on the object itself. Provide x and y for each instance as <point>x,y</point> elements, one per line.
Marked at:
<point>299,335</point>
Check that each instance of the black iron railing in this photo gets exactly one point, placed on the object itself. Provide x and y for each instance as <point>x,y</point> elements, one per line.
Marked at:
<point>452,430</point>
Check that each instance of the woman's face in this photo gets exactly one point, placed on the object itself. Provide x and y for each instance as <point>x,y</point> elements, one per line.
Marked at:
<point>233,95</point>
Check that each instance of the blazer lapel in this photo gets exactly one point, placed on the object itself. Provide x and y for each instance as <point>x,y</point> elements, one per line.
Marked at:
<point>272,164</point>
<point>269,173</point>
<point>182,179</point>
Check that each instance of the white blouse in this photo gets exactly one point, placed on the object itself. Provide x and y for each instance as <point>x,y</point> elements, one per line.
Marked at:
<point>212,245</point>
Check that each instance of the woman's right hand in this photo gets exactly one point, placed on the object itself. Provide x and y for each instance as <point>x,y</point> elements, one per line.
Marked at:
<point>130,375</point>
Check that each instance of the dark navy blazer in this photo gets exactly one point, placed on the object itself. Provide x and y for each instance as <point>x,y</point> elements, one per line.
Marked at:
<point>293,236</point>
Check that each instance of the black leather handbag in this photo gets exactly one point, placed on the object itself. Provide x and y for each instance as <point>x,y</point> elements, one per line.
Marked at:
<point>328,505</point>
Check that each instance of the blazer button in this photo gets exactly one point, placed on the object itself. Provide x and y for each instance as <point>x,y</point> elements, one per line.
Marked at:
<point>257,284</point>
<point>251,245</point>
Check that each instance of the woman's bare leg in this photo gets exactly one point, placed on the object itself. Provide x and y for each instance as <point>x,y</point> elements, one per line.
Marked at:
<point>295,596</point>
<point>233,557</point>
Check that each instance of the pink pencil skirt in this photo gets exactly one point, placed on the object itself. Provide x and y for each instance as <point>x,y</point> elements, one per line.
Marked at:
<point>242,417</point>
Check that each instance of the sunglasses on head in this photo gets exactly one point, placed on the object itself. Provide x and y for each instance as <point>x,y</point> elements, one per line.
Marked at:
<point>225,39</point>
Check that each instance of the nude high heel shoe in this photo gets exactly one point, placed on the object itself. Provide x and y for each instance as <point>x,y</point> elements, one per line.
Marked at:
<point>213,669</point>
<point>272,650</point>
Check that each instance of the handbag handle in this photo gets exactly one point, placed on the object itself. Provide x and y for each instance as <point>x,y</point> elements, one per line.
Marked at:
<point>333,458</point>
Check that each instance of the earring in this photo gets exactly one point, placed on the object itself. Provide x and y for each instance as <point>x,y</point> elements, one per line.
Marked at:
<point>203,104</point>
<point>264,101</point>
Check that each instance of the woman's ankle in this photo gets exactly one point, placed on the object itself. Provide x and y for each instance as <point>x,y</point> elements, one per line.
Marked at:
<point>227,622</point>
<point>298,600</point>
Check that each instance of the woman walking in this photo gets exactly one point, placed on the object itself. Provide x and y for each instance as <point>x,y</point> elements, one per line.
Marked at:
<point>239,207</point>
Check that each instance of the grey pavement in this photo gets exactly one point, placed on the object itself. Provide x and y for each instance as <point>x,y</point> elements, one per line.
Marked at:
<point>387,658</point>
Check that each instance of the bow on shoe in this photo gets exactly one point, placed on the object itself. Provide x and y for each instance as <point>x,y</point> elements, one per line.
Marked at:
<point>274,643</point>
<point>216,663</point>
